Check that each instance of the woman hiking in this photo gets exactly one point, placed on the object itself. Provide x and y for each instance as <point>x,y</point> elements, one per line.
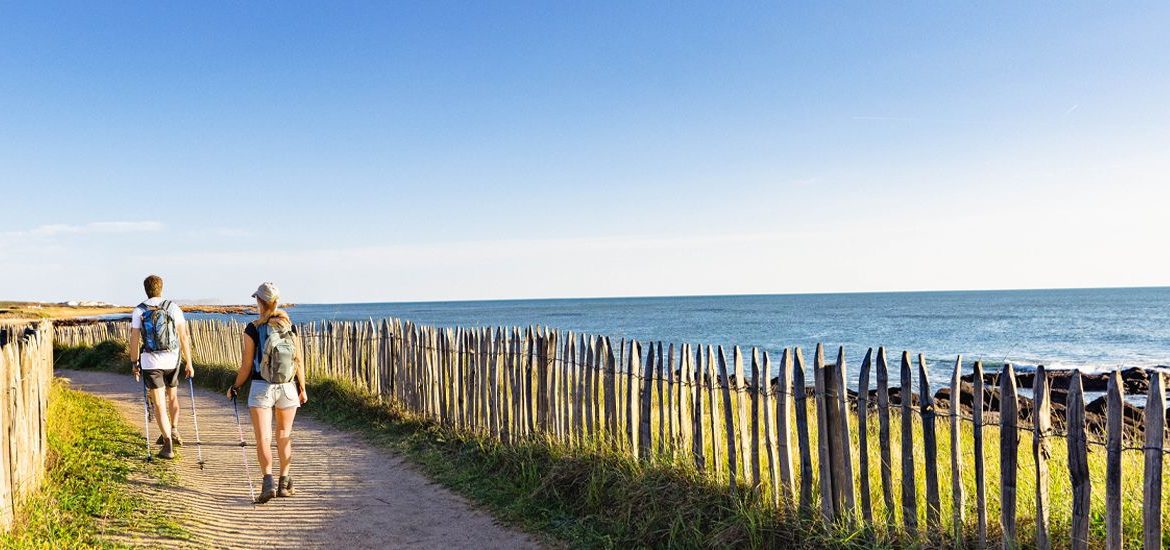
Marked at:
<point>271,361</point>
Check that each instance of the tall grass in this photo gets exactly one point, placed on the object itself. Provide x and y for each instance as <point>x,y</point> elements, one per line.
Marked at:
<point>88,499</point>
<point>594,495</point>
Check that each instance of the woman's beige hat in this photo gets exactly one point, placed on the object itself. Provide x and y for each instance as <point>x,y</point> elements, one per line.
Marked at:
<point>267,292</point>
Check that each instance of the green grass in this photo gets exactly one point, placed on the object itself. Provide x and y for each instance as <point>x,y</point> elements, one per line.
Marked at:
<point>582,497</point>
<point>88,494</point>
<point>595,496</point>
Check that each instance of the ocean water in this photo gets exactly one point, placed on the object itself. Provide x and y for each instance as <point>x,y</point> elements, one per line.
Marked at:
<point>1091,329</point>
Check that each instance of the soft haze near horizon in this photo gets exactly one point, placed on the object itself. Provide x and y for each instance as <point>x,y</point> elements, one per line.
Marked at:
<point>440,151</point>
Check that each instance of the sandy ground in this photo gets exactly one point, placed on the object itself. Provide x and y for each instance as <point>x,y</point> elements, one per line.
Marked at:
<point>350,495</point>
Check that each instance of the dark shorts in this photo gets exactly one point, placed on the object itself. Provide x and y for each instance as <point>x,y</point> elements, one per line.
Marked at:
<point>156,378</point>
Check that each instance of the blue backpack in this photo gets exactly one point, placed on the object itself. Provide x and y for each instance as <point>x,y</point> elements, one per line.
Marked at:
<point>158,328</point>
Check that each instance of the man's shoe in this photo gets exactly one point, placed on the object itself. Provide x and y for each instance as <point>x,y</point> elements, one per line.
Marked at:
<point>267,491</point>
<point>168,451</point>
<point>286,487</point>
<point>175,439</point>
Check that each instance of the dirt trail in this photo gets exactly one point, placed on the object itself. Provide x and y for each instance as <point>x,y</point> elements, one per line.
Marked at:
<point>350,495</point>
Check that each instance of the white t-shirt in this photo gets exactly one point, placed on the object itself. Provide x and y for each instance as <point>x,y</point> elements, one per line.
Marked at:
<point>159,360</point>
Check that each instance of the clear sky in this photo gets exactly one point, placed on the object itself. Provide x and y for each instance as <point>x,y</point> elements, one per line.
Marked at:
<point>384,151</point>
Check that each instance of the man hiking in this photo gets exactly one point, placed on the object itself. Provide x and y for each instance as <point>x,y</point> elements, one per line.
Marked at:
<point>158,333</point>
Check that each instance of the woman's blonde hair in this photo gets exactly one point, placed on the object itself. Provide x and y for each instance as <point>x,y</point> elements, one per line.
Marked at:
<point>270,312</point>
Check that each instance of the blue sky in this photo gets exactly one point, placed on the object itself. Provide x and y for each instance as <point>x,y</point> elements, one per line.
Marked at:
<point>361,151</point>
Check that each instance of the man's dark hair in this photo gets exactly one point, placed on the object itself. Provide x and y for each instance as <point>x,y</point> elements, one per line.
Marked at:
<point>153,286</point>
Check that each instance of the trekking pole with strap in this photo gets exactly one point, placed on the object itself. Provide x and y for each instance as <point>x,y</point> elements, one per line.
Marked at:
<point>243,449</point>
<point>146,416</point>
<point>195,420</point>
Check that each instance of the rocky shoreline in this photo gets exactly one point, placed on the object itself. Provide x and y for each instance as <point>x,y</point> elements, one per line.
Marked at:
<point>1135,382</point>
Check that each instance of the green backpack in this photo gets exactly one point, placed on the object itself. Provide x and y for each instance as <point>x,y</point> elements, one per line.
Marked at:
<point>278,357</point>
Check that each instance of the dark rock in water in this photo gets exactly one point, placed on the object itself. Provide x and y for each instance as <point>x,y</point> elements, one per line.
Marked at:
<point>896,397</point>
<point>1137,380</point>
<point>1096,415</point>
<point>942,398</point>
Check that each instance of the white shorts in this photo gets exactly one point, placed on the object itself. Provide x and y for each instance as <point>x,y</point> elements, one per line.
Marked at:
<point>266,396</point>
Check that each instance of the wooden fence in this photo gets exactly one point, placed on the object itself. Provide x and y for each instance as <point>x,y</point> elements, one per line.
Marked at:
<point>757,424</point>
<point>26,372</point>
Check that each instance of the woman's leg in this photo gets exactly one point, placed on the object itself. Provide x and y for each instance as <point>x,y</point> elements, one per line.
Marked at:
<point>262,425</point>
<point>284,424</point>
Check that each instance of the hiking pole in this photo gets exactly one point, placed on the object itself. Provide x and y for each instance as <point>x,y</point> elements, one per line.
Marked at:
<point>145,412</point>
<point>243,449</point>
<point>195,420</point>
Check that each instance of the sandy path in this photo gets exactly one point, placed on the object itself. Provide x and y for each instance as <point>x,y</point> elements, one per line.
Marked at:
<point>350,495</point>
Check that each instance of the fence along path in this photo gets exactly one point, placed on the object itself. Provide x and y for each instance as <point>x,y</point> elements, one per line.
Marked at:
<point>690,406</point>
<point>26,373</point>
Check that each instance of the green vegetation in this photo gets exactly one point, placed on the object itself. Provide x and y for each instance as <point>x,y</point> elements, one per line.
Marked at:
<point>594,496</point>
<point>89,498</point>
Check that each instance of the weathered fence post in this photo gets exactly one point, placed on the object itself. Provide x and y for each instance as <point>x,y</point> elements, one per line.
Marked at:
<point>728,420</point>
<point>806,469</point>
<point>956,411</point>
<point>1078,462</point>
<point>741,408</point>
<point>909,490</point>
<point>824,462</point>
<point>1155,443</point>
<point>764,388</point>
<point>883,406</point>
<point>843,454</point>
<point>1113,421</point>
<point>977,441</point>
<point>698,448</point>
<point>755,431</point>
<point>930,449</point>
<point>1009,441</point>
<point>713,417</point>
<point>633,408</point>
<point>863,437</point>
<point>1041,424</point>
<point>645,439</point>
<point>784,399</point>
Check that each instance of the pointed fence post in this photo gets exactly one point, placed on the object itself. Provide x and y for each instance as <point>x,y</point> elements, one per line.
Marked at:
<point>1113,420</point>
<point>741,399</point>
<point>801,398</point>
<point>909,489</point>
<point>824,461</point>
<point>1009,441</point>
<point>1041,424</point>
<point>1078,462</point>
<point>977,442</point>
<point>956,411</point>
<point>863,437</point>
<point>728,421</point>
<point>784,427</point>
<point>764,387</point>
<point>755,417</point>
<point>930,449</point>
<point>883,406</point>
<point>1155,444</point>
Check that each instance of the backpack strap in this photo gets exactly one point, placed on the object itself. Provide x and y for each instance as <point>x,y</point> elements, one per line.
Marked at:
<point>261,338</point>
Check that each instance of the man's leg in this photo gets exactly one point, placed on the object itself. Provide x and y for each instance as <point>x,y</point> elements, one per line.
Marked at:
<point>157,395</point>
<point>173,407</point>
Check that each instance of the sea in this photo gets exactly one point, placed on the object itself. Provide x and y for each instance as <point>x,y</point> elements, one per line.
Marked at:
<point>1089,329</point>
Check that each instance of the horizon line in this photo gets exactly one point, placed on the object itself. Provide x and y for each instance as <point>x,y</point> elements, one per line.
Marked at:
<point>736,295</point>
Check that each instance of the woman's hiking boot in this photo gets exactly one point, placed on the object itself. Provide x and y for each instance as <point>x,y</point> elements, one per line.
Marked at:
<point>175,439</point>
<point>267,491</point>
<point>286,487</point>
<point>168,450</point>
